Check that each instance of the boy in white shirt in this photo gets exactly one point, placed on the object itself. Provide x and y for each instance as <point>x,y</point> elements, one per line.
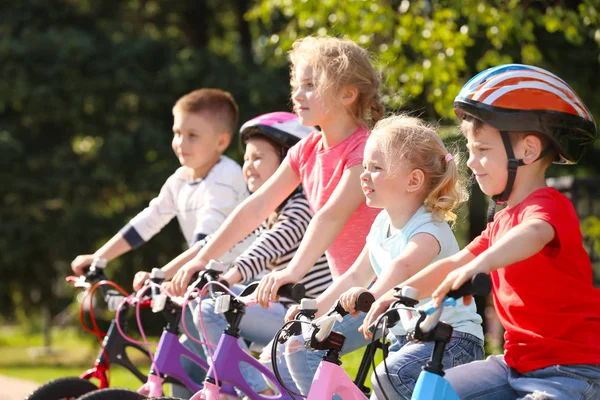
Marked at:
<point>201,193</point>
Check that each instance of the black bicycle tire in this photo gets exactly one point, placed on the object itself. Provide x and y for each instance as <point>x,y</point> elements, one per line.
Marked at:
<point>165,398</point>
<point>113,394</point>
<point>62,388</point>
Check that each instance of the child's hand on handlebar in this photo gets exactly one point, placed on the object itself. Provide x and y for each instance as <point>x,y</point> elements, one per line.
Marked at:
<point>183,277</point>
<point>292,312</point>
<point>455,280</point>
<point>167,287</point>
<point>380,306</point>
<point>139,279</point>
<point>348,300</point>
<point>81,262</point>
<point>270,284</point>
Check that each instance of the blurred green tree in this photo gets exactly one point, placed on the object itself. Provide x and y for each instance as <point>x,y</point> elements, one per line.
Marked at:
<point>86,91</point>
<point>428,49</point>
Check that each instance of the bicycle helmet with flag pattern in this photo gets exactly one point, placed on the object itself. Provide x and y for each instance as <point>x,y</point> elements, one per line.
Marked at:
<point>524,98</point>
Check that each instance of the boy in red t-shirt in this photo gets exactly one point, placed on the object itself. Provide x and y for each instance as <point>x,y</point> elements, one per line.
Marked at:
<point>525,117</point>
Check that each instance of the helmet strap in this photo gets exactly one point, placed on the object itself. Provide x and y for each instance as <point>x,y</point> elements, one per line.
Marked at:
<point>513,164</point>
<point>544,152</point>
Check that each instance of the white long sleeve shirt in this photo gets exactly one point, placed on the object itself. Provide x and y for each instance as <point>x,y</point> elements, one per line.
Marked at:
<point>200,205</point>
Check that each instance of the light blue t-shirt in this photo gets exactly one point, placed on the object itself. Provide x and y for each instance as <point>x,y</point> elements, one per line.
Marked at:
<point>383,249</point>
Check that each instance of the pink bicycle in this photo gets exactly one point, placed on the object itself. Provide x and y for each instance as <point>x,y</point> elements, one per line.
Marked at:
<point>330,378</point>
<point>224,373</point>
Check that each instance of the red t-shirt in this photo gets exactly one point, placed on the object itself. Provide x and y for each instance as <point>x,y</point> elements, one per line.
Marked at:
<point>321,170</point>
<point>546,303</point>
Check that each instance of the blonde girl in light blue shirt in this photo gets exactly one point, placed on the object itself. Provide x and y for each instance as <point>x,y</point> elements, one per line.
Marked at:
<point>411,176</point>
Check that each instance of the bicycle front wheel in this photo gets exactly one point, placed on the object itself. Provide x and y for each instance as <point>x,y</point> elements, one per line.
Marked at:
<point>63,388</point>
<point>113,394</point>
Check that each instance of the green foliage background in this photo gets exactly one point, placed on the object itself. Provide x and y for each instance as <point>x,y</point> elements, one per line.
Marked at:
<point>87,86</point>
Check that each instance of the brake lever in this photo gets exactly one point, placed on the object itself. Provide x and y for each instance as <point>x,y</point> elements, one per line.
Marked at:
<point>113,299</point>
<point>78,281</point>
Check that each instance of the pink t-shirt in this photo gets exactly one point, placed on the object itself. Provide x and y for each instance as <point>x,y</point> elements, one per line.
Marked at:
<point>321,170</point>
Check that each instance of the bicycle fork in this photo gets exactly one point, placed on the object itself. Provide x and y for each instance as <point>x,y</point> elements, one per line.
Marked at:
<point>113,351</point>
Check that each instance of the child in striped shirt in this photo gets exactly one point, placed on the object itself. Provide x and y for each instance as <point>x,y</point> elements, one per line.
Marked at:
<point>266,140</point>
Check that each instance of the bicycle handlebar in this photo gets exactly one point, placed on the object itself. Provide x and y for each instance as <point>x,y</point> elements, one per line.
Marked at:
<point>479,285</point>
<point>429,316</point>
<point>207,276</point>
<point>292,291</point>
<point>321,328</point>
<point>91,274</point>
<point>364,301</point>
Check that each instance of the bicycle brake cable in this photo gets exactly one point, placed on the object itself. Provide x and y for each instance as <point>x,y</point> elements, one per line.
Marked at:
<point>380,320</point>
<point>275,344</point>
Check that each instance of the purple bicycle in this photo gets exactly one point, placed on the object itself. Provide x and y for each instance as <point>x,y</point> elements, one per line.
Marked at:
<point>166,362</point>
<point>225,370</point>
<point>224,375</point>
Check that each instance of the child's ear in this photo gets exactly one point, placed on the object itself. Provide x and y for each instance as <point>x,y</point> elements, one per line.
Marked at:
<point>223,142</point>
<point>349,95</point>
<point>415,180</point>
<point>532,148</point>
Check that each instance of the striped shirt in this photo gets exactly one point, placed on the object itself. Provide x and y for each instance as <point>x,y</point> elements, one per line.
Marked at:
<point>275,246</point>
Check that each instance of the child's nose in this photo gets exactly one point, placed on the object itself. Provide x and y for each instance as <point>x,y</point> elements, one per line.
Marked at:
<point>471,161</point>
<point>297,95</point>
<point>365,175</point>
<point>248,167</point>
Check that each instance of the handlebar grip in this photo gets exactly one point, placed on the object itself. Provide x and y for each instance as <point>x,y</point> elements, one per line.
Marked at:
<point>203,277</point>
<point>93,274</point>
<point>224,282</point>
<point>364,301</point>
<point>292,291</point>
<point>479,285</point>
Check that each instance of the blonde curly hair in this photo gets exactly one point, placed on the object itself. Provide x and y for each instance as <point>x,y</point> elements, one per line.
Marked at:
<point>336,63</point>
<point>409,140</point>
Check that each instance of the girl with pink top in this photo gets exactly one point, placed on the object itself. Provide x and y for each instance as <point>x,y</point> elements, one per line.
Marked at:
<point>335,87</point>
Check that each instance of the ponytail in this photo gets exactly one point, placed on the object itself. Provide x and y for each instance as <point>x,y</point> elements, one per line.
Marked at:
<point>448,192</point>
<point>377,110</point>
<point>412,140</point>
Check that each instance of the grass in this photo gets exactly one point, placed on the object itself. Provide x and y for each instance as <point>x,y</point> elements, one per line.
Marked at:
<point>24,357</point>
<point>119,377</point>
<point>351,363</point>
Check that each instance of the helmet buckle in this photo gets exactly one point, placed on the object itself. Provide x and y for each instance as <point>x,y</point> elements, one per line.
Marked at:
<point>513,164</point>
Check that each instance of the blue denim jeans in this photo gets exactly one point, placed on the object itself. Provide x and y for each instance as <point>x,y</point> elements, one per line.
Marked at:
<point>406,359</point>
<point>196,373</point>
<point>492,379</point>
<point>258,325</point>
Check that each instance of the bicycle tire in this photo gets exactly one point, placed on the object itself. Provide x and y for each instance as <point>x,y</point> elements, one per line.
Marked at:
<point>62,388</point>
<point>113,394</point>
<point>165,398</point>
